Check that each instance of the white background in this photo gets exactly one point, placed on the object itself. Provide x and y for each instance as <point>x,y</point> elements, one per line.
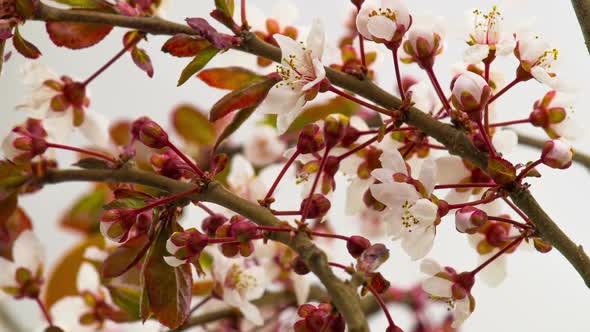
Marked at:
<point>542,292</point>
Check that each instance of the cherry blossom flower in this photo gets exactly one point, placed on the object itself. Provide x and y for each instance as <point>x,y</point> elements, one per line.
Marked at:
<point>20,146</point>
<point>410,213</point>
<point>186,246</point>
<point>302,74</point>
<point>238,282</point>
<point>488,37</point>
<point>424,43</point>
<point>455,288</point>
<point>471,93</point>
<point>264,146</point>
<point>384,21</point>
<point>557,153</point>
<point>243,180</point>
<point>553,113</point>
<point>62,105</point>
<point>536,58</point>
<point>21,277</point>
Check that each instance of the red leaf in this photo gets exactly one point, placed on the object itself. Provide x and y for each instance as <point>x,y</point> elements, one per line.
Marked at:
<point>142,60</point>
<point>76,35</point>
<point>182,45</point>
<point>13,221</point>
<point>246,97</point>
<point>166,290</point>
<point>125,257</point>
<point>24,47</point>
<point>229,78</point>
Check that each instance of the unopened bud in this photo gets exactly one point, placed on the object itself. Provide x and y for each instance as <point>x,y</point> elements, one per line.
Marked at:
<point>318,207</point>
<point>149,133</point>
<point>243,230</point>
<point>334,130</point>
<point>356,245</point>
<point>212,223</point>
<point>469,219</point>
<point>300,267</point>
<point>310,139</point>
<point>471,93</point>
<point>557,153</point>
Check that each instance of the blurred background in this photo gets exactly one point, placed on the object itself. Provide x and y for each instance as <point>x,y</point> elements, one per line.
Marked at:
<point>542,292</point>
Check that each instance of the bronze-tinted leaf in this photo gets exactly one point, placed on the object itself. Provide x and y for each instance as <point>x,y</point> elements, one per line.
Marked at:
<point>235,124</point>
<point>311,114</point>
<point>84,214</point>
<point>226,6</point>
<point>13,221</point>
<point>193,125</point>
<point>183,45</point>
<point>501,170</point>
<point>76,35</point>
<point>229,78</point>
<point>92,163</point>
<point>199,62</point>
<point>249,96</point>
<point>125,257</point>
<point>142,60</point>
<point>126,298</point>
<point>24,47</point>
<point>167,289</point>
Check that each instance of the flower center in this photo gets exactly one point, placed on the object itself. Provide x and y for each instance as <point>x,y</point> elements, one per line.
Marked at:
<point>486,26</point>
<point>408,220</point>
<point>387,12</point>
<point>240,281</point>
<point>546,59</point>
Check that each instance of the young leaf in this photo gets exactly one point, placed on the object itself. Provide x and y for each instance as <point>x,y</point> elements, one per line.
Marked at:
<point>166,290</point>
<point>13,221</point>
<point>83,216</point>
<point>125,257</point>
<point>229,78</point>
<point>192,125</point>
<point>75,35</point>
<point>226,6</point>
<point>88,4</point>
<point>126,298</point>
<point>317,112</point>
<point>204,29</point>
<point>249,96</point>
<point>142,60</point>
<point>501,170</point>
<point>24,47</point>
<point>234,125</point>
<point>198,63</point>
<point>183,45</point>
<point>92,163</point>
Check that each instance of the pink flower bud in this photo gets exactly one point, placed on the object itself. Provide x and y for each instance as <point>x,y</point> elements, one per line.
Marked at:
<point>20,147</point>
<point>423,45</point>
<point>334,130</point>
<point>468,219</point>
<point>310,139</point>
<point>149,133</point>
<point>557,153</point>
<point>471,94</point>
<point>356,245</point>
<point>212,223</point>
<point>243,230</point>
<point>318,207</point>
<point>115,224</point>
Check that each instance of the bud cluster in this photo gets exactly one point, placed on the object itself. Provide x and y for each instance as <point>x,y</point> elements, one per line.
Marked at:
<point>319,318</point>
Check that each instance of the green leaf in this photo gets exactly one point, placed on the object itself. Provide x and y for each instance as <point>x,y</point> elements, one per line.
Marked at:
<point>89,4</point>
<point>501,170</point>
<point>84,215</point>
<point>143,61</point>
<point>234,125</point>
<point>226,6</point>
<point>337,105</point>
<point>193,125</point>
<point>126,298</point>
<point>92,163</point>
<point>198,63</point>
<point>166,291</point>
<point>249,96</point>
<point>229,78</point>
<point>24,47</point>
<point>125,257</point>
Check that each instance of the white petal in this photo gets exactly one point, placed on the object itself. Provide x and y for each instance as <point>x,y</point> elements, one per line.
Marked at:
<point>425,211</point>
<point>240,174</point>
<point>381,27</point>
<point>362,20</point>
<point>430,267</point>
<point>95,254</point>
<point>476,53</point>
<point>419,242</point>
<point>7,271</point>
<point>290,47</point>
<point>450,170</point>
<point>393,160</point>
<point>301,287</point>
<point>428,175</point>
<point>385,175</point>
<point>173,261</point>
<point>60,127</point>
<point>251,313</point>
<point>495,272</point>
<point>505,141</point>
<point>462,312</point>
<point>316,39</point>
<point>394,194</point>
<point>318,72</point>
<point>354,195</point>
<point>438,287</point>
<point>284,120</point>
<point>87,279</point>
<point>171,247</point>
<point>96,129</point>
<point>393,223</point>
<point>28,252</point>
<point>505,46</point>
<point>541,75</point>
<point>66,314</point>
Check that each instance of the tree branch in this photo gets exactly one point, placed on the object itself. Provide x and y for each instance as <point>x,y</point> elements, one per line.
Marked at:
<point>582,9</point>
<point>343,296</point>
<point>456,141</point>
<point>579,157</point>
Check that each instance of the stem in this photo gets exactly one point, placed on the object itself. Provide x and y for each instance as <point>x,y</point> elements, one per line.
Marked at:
<point>509,123</point>
<point>305,210</point>
<point>281,174</point>
<point>517,210</point>
<point>527,169</point>
<point>286,213</point>
<point>273,229</point>
<point>473,203</point>
<point>398,76</point>
<point>243,14</point>
<point>80,150</point>
<point>186,159</point>
<point>434,146</point>
<point>218,240</point>
<point>510,221</point>
<point>438,89</point>
<point>383,306</point>
<point>206,209</point>
<point>200,304</point>
<point>409,149</point>
<point>465,185</point>
<point>364,144</point>
<point>44,311</point>
<point>506,88</point>
<point>338,265</point>
<point>500,253</point>
<point>361,102</point>
<point>166,200</point>
<point>486,138</point>
<point>362,48</point>
<point>328,235</point>
<point>119,54</point>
